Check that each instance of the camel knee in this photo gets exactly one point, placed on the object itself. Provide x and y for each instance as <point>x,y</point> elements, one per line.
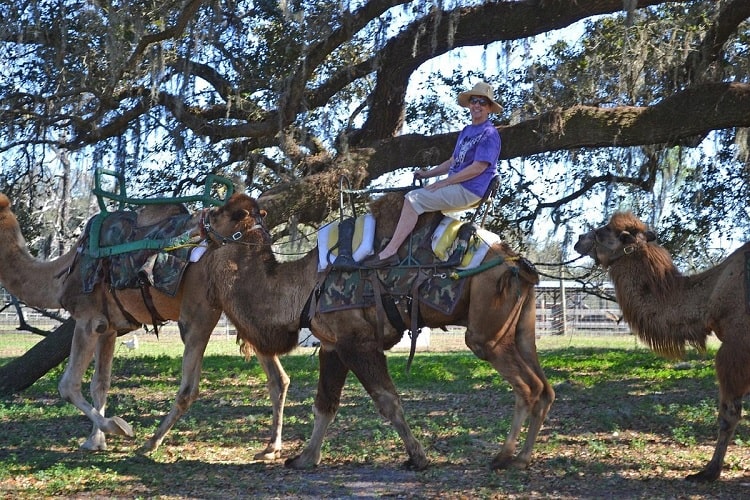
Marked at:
<point>730,413</point>
<point>389,405</point>
<point>479,350</point>
<point>68,389</point>
<point>97,323</point>
<point>186,397</point>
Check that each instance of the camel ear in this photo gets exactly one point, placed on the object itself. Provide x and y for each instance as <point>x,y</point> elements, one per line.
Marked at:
<point>240,214</point>
<point>626,238</point>
<point>650,235</point>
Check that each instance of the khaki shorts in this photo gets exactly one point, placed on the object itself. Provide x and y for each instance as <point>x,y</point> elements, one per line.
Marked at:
<point>453,198</point>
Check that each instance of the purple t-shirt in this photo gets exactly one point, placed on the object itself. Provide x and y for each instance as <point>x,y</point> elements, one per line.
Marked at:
<point>477,143</point>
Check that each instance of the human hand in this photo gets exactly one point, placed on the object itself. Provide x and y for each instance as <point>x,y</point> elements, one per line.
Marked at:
<point>420,174</point>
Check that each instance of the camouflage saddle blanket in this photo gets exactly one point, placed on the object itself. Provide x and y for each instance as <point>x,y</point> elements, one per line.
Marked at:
<point>354,289</point>
<point>161,268</point>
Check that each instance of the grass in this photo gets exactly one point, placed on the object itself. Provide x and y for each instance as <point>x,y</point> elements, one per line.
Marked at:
<point>626,423</point>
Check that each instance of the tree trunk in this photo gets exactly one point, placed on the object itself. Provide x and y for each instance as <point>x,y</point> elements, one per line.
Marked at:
<point>22,372</point>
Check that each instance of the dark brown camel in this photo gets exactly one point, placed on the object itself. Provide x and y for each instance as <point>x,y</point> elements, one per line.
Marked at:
<point>669,311</point>
<point>497,306</point>
<point>104,313</point>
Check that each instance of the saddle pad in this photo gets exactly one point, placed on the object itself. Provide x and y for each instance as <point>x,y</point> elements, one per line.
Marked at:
<point>159,268</point>
<point>362,242</point>
<point>444,242</point>
<point>344,290</point>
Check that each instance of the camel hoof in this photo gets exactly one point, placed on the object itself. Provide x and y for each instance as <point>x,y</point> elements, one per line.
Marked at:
<point>298,463</point>
<point>504,462</point>
<point>147,447</point>
<point>268,455</point>
<point>94,445</point>
<point>416,465</point>
<point>116,425</point>
<point>704,476</point>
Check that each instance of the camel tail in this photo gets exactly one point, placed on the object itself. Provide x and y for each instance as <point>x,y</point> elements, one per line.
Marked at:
<point>516,281</point>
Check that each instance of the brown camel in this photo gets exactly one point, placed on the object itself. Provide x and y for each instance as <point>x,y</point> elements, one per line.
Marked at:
<point>497,306</point>
<point>105,313</point>
<point>669,311</point>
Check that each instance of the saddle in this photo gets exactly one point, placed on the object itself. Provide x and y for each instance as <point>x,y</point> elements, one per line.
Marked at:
<point>153,248</point>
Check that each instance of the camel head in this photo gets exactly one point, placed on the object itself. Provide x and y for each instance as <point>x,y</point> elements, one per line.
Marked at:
<point>240,220</point>
<point>6,215</point>
<point>623,235</point>
<point>9,227</point>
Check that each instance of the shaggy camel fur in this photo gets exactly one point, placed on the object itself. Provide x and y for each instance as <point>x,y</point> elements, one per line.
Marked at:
<point>100,319</point>
<point>497,305</point>
<point>669,311</point>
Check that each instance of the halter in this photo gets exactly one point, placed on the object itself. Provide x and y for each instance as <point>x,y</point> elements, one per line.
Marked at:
<point>614,254</point>
<point>236,237</point>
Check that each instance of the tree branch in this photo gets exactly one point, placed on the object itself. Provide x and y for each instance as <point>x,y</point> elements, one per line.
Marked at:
<point>729,18</point>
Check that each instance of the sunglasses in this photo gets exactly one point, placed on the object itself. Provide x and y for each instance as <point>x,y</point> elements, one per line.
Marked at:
<point>479,100</point>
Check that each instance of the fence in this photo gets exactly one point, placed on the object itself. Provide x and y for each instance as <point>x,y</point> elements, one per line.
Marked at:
<point>584,313</point>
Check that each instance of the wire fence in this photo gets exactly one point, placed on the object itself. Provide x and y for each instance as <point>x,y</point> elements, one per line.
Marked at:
<point>584,314</point>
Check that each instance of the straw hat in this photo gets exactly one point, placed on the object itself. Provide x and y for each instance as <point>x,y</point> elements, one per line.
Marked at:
<point>482,89</point>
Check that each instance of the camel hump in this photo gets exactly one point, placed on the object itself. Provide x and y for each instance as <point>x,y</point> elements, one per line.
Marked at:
<point>4,201</point>
<point>149,215</point>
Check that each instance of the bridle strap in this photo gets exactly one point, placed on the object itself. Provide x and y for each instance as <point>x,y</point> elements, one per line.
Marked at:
<point>616,254</point>
<point>236,237</point>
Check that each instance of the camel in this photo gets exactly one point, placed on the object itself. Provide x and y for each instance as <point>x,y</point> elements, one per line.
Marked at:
<point>497,305</point>
<point>106,313</point>
<point>670,311</point>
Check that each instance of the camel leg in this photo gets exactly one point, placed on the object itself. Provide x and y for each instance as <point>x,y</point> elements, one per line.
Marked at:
<point>100,384</point>
<point>512,352</point>
<point>542,393</point>
<point>85,337</point>
<point>195,336</point>
<point>331,379</point>
<point>371,368</point>
<point>278,384</point>
<point>534,397</point>
<point>733,373</point>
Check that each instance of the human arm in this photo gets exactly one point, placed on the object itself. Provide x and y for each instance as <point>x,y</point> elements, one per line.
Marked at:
<point>435,171</point>
<point>471,171</point>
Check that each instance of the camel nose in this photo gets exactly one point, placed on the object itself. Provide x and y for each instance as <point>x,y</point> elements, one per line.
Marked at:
<point>584,244</point>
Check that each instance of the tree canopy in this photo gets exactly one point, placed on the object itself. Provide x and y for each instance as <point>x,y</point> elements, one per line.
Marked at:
<point>639,104</point>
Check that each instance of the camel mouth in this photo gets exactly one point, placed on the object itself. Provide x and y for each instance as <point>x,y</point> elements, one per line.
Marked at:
<point>585,244</point>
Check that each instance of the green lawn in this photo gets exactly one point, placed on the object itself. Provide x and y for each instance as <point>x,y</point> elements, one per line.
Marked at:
<point>626,423</point>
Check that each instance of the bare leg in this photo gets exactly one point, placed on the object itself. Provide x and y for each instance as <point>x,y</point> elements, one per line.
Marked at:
<point>278,383</point>
<point>330,384</point>
<point>406,223</point>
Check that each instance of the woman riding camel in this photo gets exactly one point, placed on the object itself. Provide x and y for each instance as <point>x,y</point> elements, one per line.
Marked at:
<point>470,170</point>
